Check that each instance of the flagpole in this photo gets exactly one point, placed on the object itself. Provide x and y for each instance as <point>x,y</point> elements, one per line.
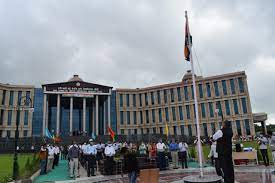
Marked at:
<point>195,98</point>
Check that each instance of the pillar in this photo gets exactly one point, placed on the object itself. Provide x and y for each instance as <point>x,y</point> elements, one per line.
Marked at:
<point>96,115</point>
<point>58,114</point>
<point>109,111</point>
<point>104,117</point>
<point>71,115</point>
<point>47,113</point>
<point>44,114</point>
<point>84,116</point>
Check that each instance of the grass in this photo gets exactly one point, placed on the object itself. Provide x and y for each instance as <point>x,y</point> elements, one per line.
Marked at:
<point>6,164</point>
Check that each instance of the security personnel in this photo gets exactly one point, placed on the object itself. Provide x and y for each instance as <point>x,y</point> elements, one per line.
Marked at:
<point>90,154</point>
<point>109,152</point>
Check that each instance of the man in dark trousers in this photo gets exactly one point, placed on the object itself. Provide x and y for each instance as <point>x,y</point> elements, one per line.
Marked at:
<point>90,154</point>
<point>224,150</point>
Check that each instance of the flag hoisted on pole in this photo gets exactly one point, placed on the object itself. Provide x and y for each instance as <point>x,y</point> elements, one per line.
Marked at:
<point>166,129</point>
<point>188,57</point>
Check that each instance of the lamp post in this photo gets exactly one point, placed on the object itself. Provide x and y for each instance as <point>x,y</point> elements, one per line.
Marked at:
<point>27,104</point>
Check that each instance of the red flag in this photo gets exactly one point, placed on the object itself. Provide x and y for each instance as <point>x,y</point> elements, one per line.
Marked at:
<point>112,133</point>
<point>187,47</point>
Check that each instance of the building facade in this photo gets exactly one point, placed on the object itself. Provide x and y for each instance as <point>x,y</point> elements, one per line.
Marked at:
<point>12,98</point>
<point>76,106</point>
<point>148,110</point>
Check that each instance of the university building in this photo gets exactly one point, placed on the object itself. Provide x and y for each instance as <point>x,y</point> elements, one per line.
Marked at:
<point>79,107</point>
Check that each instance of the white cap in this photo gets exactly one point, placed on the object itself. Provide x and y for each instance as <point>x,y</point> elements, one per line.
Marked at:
<point>91,140</point>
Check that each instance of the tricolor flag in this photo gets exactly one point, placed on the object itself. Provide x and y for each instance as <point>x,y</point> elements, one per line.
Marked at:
<point>112,133</point>
<point>188,40</point>
<point>48,134</point>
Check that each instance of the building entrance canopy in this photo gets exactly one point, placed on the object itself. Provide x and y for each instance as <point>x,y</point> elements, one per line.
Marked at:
<point>88,107</point>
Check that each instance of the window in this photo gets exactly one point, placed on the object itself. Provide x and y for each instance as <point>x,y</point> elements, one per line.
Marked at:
<point>160,115</point>
<point>8,133</point>
<point>11,98</point>
<point>172,95</point>
<point>213,128</point>
<point>141,131</point>
<point>9,117</point>
<point>203,110</point>
<point>167,114</point>
<point>19,97</point>
<point>135,131</point>
<point>165,96</point>
<point>174,114</point>
<point>135,117</point>
<point>159,99</point>
<point>25,133</point>
<point>241,86</point>
<point>200,90</point>
<point>152,98</point>
<point>218,106</point>
<point>127,100</point>
<point>148,130</point>
<point>186,93</point>
<point>194,110</point>
<point>244,105</point>
<point>232,86</point>
<point>238,126</point>
<point>160,130</point>
<point>153,116</point>
<point>181,113</point>
<point>1,133</point>
<point>187,111</point>
<point>227,107</point>
<point>26,118</point>
<point>247,127</point>
<point>129,132</point>
<point>182,129</point>
<point>122,131</point>
<point>140,99</point>
<point>121,100</point>
<point>121,118</point>
<point>4,97</point>
<point>154,130</point>
<point>224,87</point>
<point>175,130</point>
<point>216,86</point>
<point>208,89</point>
<point>28,97</point>
<point>140,117</point>
<point>211,111</point>
<point>128,117</point>
<point>179,94</point>
<point>205,129</point>
<point>146,99</point>
<point>147,116</point>
<point>235,103</point>
<point>134,100</point>
<point>2,117</point>
<point>192,91</point>
<point>190,130</point>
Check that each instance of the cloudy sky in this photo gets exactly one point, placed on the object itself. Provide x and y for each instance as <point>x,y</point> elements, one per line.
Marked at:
<point>138,43</point>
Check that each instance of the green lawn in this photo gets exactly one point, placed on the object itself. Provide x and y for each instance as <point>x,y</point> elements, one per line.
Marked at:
<point>6,164</point>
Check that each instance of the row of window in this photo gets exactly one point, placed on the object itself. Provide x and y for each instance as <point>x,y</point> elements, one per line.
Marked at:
<point>182,112</point>
<point>8,133</point>
<point>11,97</point>
<point>185,89</point>
<point>246,129</point>
<point>9,119</point>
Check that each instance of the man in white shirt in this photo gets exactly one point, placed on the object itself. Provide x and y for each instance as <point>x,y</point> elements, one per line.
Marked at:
<point>263,142</point>
<point>183,148</point>
<point>56,155</point>
<point>109,153</point>
<point>160,154</point>
<point>50,157</point>
<point>213,153</point>
<point>90,153</point>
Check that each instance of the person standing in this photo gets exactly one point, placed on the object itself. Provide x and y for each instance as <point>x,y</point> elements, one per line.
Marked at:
<point>224,150</point>
<point>160,154</point>
<point>43,159</point>
<point>263,141</point>
<point>90,154</point>
<point>50,158</point>
<point>272,147</point>
<point>142,149</point>
<point>131,165</point>
<point>109,153</point>
<point>173,147</point>
<point>73,156</point>
<point>56,155</point>
<point>183,148</point>
<point>214,155</point>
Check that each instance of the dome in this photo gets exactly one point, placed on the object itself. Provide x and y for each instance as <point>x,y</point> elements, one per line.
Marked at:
<point>75,78</point>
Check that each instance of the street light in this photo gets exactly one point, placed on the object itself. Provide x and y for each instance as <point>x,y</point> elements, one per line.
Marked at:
<point>28,105</point>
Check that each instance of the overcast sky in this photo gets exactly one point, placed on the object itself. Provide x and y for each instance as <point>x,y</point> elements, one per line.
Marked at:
<point>137,43</point>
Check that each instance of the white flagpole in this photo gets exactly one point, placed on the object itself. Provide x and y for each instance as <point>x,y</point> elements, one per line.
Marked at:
<point>195,98</point>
